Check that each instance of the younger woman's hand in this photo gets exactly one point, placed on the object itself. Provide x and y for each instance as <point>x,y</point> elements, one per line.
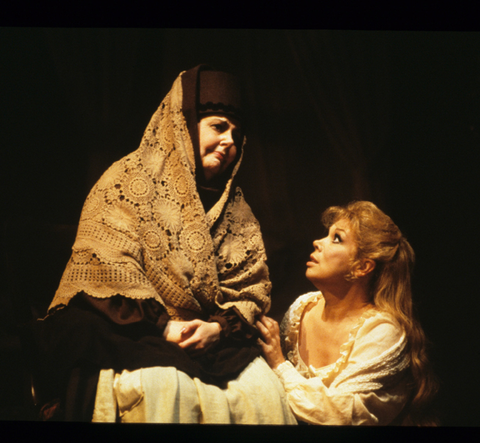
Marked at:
<point>270,344</point>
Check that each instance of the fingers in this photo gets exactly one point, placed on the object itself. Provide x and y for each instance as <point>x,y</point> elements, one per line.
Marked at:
<point>263,319</point>
<point>262,344</point>
<point>267,326</point>
<point>271,348</point>
<point>193,340</point>
<point>261,327</point>
<point>268,322</point>
<point>203,335</point>
<point>190,327</point>
<point>186,343</point>
<point>188,333</point>
<point>265,335</point>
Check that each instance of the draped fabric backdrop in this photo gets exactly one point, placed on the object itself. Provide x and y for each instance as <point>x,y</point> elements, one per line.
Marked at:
<point>391,117</point>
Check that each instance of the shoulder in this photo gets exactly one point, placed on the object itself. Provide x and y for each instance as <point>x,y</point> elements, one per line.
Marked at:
<point>379,333</point>
<point>294,313</point>
<point>381,324</point>
<point>302,301</point>
<point>290,325</point>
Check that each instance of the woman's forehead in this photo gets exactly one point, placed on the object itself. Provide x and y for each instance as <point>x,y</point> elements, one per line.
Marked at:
<point>225,118</point>
<point>341,223</point>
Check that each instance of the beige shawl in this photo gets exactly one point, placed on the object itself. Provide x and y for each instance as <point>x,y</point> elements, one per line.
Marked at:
<point>144,233</point>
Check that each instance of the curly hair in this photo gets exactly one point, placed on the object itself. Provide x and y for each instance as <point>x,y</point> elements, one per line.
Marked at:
<point>378,238</point>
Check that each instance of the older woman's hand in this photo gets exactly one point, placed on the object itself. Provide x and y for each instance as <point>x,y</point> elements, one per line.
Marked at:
<point>175,331</point>
<point>270,344</point>
<point>198,336</point>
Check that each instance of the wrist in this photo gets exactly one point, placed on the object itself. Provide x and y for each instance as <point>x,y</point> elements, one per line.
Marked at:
<point>282,368</point>
<point>222,323</point>
<point>278,362</point>
<point>166,328</point>
<point>217,326</point>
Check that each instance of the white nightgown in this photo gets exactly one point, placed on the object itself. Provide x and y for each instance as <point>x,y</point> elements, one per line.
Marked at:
<point>367,385</point>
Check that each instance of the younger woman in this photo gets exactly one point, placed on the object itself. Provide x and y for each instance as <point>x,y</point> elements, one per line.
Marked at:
<point>354,353</point>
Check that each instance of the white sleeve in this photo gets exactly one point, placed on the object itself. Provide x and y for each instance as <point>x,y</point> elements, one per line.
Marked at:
<point>368,391</point>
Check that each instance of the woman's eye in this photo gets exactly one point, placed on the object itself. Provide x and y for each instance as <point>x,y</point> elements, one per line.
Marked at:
<point>337,238</point>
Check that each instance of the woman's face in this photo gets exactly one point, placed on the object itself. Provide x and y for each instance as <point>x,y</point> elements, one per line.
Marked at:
<point>217,136</point>
<point>330,262</point>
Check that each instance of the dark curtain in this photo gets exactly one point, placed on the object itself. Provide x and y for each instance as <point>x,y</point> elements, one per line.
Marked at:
<point>346,77</point>
<point>319,116</point>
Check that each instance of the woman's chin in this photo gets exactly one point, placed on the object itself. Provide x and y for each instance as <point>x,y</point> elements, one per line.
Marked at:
<point>211,171</point>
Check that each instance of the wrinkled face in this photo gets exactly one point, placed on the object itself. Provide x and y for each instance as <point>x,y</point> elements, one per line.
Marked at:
<point>330,262</point>
<point>217,136</point>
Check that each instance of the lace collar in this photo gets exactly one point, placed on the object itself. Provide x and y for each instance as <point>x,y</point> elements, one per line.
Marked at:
<point>292,336</point>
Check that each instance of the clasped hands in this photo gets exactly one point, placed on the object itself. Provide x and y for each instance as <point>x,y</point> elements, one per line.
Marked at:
<point>195,336</point>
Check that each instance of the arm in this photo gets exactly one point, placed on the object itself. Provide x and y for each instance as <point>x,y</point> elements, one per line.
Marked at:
<point>313,402</point>
<point>369,390</point>
<point>193,336</point>
<point>128,312</point>
<point>198,336</point>
<point>271,346</point>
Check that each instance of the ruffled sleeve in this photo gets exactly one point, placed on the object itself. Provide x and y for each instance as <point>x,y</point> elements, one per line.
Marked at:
<point>290,326</point>
<point>234,326</point>
<point>366,387</point>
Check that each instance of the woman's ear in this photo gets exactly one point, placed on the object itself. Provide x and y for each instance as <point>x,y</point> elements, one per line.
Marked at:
<point>365,267</point>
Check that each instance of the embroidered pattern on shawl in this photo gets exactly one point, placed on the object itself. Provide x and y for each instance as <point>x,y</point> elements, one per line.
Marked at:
<point>143,232</point>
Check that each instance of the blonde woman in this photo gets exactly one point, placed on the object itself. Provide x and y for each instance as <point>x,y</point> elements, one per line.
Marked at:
<point>352,352</point>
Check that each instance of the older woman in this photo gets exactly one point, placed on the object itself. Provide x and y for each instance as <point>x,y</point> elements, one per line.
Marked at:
<point>354,353</point>
<point>154,314</point>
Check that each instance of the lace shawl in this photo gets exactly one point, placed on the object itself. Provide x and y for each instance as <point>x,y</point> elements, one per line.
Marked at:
<point>144,233</point>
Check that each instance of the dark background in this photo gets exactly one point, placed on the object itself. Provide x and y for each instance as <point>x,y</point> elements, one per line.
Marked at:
<point>387,116</point>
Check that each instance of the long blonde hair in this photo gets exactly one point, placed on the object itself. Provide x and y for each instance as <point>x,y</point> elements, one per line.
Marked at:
<point>379,239</point>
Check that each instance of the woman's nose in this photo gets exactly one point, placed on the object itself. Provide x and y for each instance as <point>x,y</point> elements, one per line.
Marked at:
<point>317,244</point>
<point>228,139</point>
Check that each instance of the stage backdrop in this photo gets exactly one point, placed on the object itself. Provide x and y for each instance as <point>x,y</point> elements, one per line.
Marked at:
<point>391,117</point>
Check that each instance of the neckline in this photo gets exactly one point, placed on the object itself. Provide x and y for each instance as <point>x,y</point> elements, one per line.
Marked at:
<point>344,348</point>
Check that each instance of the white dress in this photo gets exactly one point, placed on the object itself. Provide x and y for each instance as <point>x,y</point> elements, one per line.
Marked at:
<point>367,385</point>
<point>166,395</point>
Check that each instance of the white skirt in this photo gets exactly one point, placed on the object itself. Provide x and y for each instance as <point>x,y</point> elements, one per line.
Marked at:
<point>166,395</point>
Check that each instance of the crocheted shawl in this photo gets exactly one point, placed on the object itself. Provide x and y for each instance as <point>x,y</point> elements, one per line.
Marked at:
<point>144,233</point>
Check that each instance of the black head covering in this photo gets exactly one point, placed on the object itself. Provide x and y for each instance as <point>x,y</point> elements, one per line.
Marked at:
<point>219,93</point>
